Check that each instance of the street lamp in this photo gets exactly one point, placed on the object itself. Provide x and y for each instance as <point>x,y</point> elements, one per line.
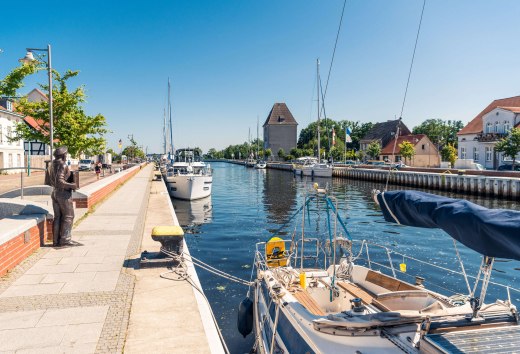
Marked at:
<point>28,59</point>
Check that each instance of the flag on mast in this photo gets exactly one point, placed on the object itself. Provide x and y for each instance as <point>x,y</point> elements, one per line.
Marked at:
<point>333,137</point>
<point>348,139</point>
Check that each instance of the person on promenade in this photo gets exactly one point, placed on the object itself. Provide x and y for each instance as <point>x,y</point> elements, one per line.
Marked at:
<point>59,176</point>
<point>97,168</point>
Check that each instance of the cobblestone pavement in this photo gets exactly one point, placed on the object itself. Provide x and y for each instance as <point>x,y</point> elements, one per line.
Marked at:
<point>78,299</point>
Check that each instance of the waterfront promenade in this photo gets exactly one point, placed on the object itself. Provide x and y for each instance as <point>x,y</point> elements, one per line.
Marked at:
<point>79,299</point>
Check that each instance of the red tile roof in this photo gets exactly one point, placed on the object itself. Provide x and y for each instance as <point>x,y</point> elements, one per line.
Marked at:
<point>511,109</point>
<point>280,114</point>
<point>389,148</point>
<point>475,125</point>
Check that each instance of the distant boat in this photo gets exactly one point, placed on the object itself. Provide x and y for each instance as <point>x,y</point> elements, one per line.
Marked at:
<point>260,164</point>
<point>188,177</point>
<point>250,162</point>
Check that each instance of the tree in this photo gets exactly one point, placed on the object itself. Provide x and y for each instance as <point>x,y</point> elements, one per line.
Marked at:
<point>14,80</point>
<point>440,132</point>
<point>281,153</point>
<point>449,153</point>
<point>72,127</point>
<point>374,149</point>
<point>133,152</point>
<point>212,153</point>
<point>510,145</point>
<point>268,153</point>
<point>407,150</point>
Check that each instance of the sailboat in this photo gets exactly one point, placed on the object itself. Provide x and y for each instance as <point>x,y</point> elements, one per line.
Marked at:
<point>310,166</point>
<point>187,176</point>
<point>329,293</point>
<point>260,164</point>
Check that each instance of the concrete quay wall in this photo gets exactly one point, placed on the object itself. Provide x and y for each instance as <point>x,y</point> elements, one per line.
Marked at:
<point>503,187</point>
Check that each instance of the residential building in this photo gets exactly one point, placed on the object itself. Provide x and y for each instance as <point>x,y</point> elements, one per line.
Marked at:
<point>478,138</point>
<point>383,133</point>
<point>426,153</point>
<point>11,153</point>
<point>280,130</point>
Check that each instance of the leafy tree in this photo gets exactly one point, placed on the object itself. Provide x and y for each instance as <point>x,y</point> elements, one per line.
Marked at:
<point>407,150</point>
<point>510,145</point>
<point>133,152</point>
<point>288,157</point>
<point>281,153</point>
<point>72,127</point>
<point>268,153</point>
<point>212,153</point>
<point>14,80</point>
<point>374,149</point>
<point>449,153</point>
<point>440,132</point>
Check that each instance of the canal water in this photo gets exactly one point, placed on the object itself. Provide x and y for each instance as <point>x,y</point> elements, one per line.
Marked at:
<point>248,205</point>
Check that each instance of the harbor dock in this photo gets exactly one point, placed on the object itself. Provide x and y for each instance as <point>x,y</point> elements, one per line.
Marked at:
<point>93,297</point>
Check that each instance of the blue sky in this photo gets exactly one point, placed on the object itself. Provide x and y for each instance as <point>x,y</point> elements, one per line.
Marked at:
<point>229,61</point>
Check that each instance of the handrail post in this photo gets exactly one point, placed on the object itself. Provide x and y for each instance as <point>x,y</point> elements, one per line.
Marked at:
<point>390,260</point>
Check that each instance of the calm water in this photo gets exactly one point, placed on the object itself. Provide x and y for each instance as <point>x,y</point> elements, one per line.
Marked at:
<point>247,205</point>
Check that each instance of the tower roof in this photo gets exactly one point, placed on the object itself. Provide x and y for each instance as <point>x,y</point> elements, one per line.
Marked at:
<point>280,114</point>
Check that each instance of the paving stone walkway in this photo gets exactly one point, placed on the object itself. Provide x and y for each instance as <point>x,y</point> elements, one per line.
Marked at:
<point>78,299</point>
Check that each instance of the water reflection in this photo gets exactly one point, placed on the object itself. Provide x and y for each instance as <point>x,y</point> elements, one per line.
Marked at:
<point>193,213</point>
<point>279,195</point>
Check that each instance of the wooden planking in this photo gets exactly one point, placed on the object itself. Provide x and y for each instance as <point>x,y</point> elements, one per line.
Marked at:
<point>310,304</point>
<point>367,298</point>
<point>387,282</point>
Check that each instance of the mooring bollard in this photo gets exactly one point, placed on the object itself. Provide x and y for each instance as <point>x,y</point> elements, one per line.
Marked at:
<point>170,237</point>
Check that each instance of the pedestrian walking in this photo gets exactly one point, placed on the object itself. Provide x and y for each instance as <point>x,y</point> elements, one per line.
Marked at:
<point>97,168</point>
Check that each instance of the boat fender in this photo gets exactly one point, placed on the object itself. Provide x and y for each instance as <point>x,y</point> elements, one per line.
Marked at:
<point>245,317</point>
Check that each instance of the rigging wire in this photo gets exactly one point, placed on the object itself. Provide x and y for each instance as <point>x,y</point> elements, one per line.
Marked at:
<point>413,57</point>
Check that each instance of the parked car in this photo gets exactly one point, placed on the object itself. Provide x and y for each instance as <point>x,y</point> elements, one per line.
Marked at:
<point>85,165</point>
<point>508,167</point>
<point>376,163</point>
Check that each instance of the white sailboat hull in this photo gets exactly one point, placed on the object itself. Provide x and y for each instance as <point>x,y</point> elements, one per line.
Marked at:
<point>189,187</point>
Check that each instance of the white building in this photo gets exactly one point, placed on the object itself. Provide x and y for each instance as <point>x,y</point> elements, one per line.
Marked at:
<point>11,153</point>
<point>478,138</point>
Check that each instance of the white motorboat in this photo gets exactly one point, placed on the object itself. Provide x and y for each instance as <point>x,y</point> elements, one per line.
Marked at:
<point>314,295</point>
<point>260,164</point>
<point>303,165</point>
<point>188,177</point>
<point>321,170</point>
<point>250,162</point>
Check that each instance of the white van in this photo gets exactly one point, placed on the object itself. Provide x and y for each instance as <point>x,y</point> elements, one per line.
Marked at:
<point>85,165</point>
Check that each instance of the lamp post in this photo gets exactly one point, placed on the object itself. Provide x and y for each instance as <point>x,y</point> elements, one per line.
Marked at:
<point>29,58</point>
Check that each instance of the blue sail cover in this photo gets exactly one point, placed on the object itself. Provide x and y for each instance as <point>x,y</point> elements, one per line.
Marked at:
<point>490,232</point>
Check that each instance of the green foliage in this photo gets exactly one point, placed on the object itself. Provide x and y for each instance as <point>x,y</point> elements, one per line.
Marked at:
<point>72,127</point>
<point>14,80</point>
<point>407,150</point>
<point>289,157</point>
<point>268,153</point>
<point>449,153</point>
<point>374,149</point>
<point>296,152</point>
<point>281,153</point>
<point>510,145</point>
<point>133,152</point>
<point>440,132</point>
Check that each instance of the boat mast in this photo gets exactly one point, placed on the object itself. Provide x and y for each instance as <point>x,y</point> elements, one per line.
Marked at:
<point>170,113</point>
<point>318,86</point>
<point>257,137</point>
<point>164,132</point>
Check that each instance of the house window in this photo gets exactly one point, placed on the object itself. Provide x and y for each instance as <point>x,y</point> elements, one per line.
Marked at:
<point>9,105</point>
<point>497,126</point>
<point>423,146</point>
<point>1,135</point>
<point>281,118</point>
<point>489,128</point>
<point>463,153</point>
<point>475,154</point>
<point>385,158</point>
<point>10,161</point>
<point>507,127</point>
<point>18,160</point>
<point>488,153</point>
<point>9,132</point>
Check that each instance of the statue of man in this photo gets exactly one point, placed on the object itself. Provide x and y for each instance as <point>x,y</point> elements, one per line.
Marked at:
<point>58,175</point>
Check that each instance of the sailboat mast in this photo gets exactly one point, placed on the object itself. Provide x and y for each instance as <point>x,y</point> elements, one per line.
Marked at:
<point>170,114</point>
<point>257,137</point>
<point>318,86</point>
<point>164,132</point>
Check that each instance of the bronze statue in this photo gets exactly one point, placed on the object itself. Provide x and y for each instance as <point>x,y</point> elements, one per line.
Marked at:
<point>59,176</point>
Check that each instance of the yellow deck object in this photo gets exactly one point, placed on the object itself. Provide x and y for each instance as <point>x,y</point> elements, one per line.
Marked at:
<point>275,252</point>
<point>167,231</point>
<point>303,280</point>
